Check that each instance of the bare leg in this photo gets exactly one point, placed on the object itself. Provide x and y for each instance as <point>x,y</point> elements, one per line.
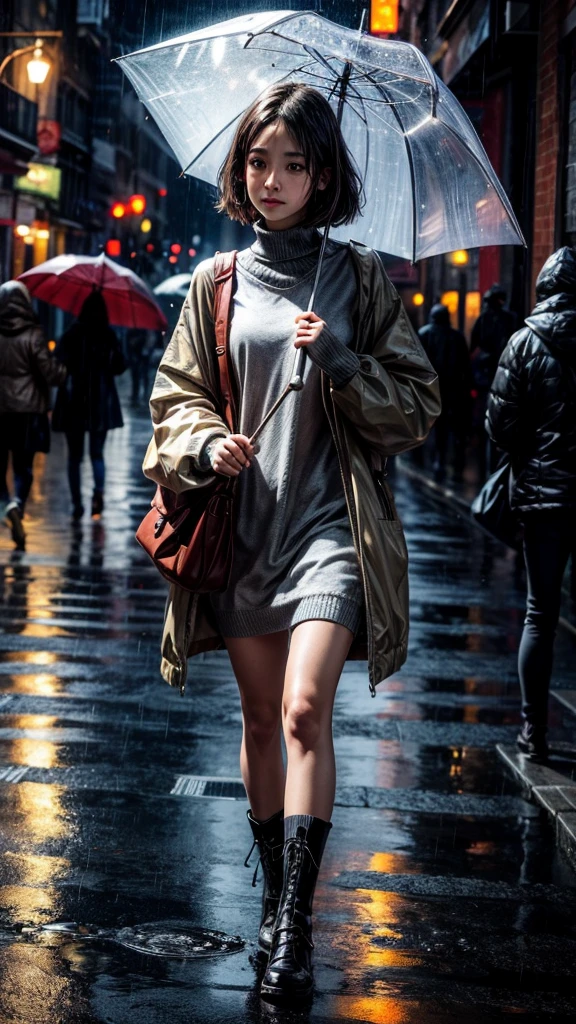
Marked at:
<point>318,650</point>
<point>259,664</point>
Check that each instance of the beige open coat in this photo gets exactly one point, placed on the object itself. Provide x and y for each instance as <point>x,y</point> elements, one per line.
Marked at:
<point>387,407</point>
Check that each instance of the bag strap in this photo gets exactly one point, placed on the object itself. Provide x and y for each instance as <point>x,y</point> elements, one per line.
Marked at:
<point>224,271</point>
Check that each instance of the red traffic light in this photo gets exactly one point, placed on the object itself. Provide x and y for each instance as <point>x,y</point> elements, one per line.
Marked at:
<point>162,192</point>
<point>118,210</point>
<point>176,248</point>
<point>150,247</point>
<point>113,247</point>
<point>137,203</point>
<point>383,17</point>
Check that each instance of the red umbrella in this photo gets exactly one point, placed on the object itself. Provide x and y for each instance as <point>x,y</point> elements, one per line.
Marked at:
<point>66,281</point>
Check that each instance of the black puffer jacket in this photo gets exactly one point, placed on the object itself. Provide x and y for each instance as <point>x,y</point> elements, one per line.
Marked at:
<point>26,367</point>
<point>532,406</point>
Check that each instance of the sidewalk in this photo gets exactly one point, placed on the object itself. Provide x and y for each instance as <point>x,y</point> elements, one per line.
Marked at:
<point>552,786</point>
<point>442,897</point>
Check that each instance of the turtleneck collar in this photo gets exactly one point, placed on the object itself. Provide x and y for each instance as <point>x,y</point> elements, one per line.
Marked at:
<point>290,244</point>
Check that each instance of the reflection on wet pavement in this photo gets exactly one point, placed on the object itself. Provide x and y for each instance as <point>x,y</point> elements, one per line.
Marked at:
<point>442,896</point>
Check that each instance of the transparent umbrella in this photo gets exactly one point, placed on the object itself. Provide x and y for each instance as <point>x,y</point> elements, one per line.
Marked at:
<point>429,185</point>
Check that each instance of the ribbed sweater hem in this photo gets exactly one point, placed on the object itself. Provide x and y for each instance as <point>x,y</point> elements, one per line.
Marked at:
<point>277,617</point>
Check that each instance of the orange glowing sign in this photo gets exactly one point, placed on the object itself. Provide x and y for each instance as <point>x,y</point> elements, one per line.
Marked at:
<point>383,17</point>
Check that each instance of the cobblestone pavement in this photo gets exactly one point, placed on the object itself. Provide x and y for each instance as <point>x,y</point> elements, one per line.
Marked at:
<point>442,895</point>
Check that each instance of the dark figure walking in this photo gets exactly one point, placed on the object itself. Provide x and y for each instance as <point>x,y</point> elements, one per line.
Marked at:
<point>26,372</point>
<point>448,352</point>
<point>88,401</point>
<point>532,416</point>
<point>140,343</point>
<point>490,335</point>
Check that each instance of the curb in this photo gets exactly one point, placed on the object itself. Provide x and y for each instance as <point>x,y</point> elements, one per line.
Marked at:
<point>555,793</point>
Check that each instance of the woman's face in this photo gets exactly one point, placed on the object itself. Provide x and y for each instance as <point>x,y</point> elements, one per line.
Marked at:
<point>277,181</point>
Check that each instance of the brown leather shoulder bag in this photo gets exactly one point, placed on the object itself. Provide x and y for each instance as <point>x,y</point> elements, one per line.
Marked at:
<point>189,537</point>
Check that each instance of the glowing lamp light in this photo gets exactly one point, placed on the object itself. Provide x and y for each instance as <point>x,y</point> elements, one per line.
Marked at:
<point>132,255</point>
<point>51,345</point>
<point>38,67</point>
<point>383,17</point>
<point>22,230</point>
<point>146,226</point>
<point>137,203</point>
<point>459,258</point>
<point>176,248</point>
<point>172,259</point>
<point>28,239</point>
<point>418,299</point>
<point>150,247</point>
<point>118,210</point>
<point>113,247</point>
<point>162,192</point>
<point>43,233</point>
<point>192,252</point>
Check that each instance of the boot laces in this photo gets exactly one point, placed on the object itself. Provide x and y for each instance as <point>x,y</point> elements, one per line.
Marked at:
<point>272,849</point>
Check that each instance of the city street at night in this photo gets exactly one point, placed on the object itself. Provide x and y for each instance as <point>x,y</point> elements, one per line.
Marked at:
<point>442,894</point>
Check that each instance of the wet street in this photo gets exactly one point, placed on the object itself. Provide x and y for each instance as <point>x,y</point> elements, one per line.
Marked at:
<point>442,894</point>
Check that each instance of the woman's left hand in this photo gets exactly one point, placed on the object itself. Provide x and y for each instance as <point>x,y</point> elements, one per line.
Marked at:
<point>309,328</point>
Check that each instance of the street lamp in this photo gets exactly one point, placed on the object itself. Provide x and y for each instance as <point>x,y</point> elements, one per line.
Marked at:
<point>39,66</point>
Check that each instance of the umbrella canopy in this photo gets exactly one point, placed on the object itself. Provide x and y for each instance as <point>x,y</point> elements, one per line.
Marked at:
<point>175,287</point>
<point>66,281</point>
<point>430,187</point>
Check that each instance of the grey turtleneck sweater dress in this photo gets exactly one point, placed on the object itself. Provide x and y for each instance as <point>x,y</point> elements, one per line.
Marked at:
<point>294,557</point>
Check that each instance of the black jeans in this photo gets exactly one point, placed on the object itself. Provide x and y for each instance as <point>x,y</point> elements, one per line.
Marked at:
<point>75,455</point>
<point>22,460</point>
<point>549,538</point>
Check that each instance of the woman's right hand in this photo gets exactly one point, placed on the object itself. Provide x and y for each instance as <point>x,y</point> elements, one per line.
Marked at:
<point>230,455</point>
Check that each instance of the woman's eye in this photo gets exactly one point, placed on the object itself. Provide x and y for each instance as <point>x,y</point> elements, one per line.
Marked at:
<point>296,167</point>
<point>255,162</point>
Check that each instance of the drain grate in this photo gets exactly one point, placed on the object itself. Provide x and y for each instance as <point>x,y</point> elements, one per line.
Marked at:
<point>209,786</point>
<point>12,773</point>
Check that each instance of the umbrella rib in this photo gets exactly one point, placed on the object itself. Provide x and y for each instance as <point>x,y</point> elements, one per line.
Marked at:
<point>493,184</point>
<point>410,166</point>
<point>208,144</point>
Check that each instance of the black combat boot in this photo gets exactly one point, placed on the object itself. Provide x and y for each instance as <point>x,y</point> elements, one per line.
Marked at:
<point>269,838</point>
<point>289,972</point>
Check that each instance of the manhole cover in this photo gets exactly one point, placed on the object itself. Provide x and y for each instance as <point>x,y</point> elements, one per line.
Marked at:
<point>186,943</point>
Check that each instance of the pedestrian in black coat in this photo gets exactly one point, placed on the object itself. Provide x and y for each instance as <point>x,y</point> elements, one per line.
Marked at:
<point>88,402</point>
<point>447,350</point>
<point>532,416</point>
<point>27,371</point>
<point>489,338</point>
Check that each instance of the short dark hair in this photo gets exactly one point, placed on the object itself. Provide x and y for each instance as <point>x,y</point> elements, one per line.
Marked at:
<point>310,120</point>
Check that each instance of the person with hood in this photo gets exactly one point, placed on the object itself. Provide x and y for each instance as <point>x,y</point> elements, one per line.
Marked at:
<point>88,402</point>
<point>532,416</point>
<point>447,350</point>
<point>27,371</point>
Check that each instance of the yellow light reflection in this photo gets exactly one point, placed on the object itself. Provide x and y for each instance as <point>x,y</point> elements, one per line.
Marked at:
<point>41,685</point>
<point>31,869</point>
<point>376,1010</point>
<point>35,657</point>
<point>35,721</point>
<point>42,985</point>
<point>38,812</point>
<point>392,864</point>
<point>34,752</point>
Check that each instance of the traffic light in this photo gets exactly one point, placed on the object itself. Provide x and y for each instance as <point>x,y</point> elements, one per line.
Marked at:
<point>113,247</point>
<point>176,248</point>
<point>118,210</point>
<point>137,204</point>
<point>383,17</point>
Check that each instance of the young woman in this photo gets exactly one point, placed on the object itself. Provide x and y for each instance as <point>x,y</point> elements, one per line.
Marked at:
<point>319,568</point>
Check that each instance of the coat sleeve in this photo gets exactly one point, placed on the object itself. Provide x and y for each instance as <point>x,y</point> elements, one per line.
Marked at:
<point>503,412</point>
<point>45,364</point>
<point>184,404</point>
<point>394,398</point>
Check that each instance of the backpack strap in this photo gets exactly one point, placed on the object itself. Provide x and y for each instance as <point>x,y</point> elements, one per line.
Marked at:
<point>224,276</point>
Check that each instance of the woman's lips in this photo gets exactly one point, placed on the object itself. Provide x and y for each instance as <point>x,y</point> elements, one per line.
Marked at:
<point>273,202</point>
